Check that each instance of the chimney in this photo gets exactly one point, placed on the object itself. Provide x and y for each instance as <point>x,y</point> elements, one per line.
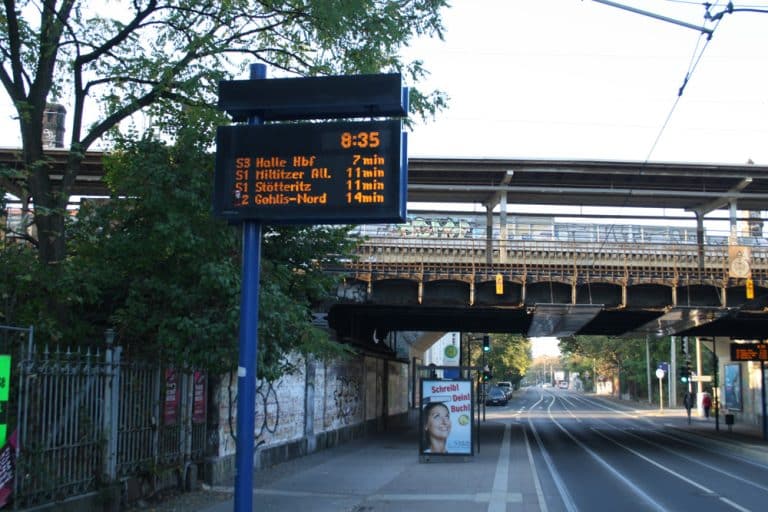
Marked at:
<point>53,125</point>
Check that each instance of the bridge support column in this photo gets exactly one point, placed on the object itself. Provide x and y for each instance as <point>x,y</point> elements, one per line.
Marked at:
<point>503,230</point>
<point>488,234</point>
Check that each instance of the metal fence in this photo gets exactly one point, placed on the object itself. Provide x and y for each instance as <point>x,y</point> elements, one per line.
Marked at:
<point>86,419</point>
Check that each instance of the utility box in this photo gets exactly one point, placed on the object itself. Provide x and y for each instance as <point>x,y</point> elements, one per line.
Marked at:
<point>729,421</point>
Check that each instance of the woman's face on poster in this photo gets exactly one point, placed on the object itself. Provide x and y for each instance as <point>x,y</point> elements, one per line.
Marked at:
<point>438,423</point>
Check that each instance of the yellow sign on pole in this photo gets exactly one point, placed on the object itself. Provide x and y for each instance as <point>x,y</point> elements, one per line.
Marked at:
<point>750,286</point>
<point>499,284</point>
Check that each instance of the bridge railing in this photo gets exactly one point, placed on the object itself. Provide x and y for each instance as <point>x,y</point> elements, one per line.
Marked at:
<point>408,255</point>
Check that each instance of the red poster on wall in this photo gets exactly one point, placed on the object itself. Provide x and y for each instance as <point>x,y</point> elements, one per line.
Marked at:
<point>198,398</point>
<point>171,403</point>
<point>7,469</point>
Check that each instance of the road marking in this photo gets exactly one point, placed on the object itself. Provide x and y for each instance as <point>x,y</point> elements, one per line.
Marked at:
<point>568,502</point>
<point>498,502</point>
<point>635,489</point>
<point>684,478</point>
<point>535,474</point>
<point>710,467</point>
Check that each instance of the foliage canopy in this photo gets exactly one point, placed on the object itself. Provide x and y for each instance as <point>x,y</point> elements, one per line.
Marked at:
<point>106,63</point>
<point>152,263</point>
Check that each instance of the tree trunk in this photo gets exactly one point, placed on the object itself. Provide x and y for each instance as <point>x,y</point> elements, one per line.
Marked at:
<point>49,205</point>
<point>50,235</point>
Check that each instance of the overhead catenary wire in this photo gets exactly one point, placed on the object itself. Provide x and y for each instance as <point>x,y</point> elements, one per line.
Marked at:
<point>695,59</point>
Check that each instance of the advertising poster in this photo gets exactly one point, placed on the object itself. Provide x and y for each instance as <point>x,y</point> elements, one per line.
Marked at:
<point>733,387</point>
<point>171,402</point>
<point>7,469</point>
<point>446,417</point>
<point>198,398</point>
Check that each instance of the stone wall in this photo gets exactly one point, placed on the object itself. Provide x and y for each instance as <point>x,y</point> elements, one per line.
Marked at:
<point>322,405</point>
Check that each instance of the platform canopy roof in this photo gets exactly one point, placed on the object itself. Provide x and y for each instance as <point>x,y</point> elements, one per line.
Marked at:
<point>690,186</point>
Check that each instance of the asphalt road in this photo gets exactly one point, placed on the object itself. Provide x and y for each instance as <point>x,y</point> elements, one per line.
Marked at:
<point>590,454</point>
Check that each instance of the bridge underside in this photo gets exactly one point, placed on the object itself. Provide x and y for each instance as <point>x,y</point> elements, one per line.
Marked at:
<point>370,310</point>
<point>364,321</point>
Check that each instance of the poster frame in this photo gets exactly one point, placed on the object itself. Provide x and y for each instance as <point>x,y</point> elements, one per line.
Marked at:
<point>462,419</point>
<point>732,387</point>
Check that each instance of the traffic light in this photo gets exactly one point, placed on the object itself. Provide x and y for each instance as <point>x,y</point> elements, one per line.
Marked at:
<point>486,343</point>
<point>487,375</point>
<point>686,372</point>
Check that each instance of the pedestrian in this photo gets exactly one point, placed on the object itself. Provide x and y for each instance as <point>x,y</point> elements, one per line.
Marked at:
<point>706,403</point>
<point>688,403</point>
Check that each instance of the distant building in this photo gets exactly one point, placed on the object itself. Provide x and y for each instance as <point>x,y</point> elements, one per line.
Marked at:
<point>54,118</point>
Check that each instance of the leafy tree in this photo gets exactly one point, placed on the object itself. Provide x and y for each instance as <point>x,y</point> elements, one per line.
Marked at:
<point>621,360</point>
<point>509,357</point>
<point>107,64</point>
<point>153,262</point>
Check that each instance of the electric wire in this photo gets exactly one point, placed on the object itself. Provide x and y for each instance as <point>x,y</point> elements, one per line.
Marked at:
<point>695,59</point>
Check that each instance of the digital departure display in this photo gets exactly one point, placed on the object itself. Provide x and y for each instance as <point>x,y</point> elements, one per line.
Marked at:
<point>749,352</point>
<point>318,173</point>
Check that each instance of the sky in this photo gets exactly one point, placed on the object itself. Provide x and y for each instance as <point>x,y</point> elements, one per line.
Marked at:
<point>544,347</point>
<point>577,79</point>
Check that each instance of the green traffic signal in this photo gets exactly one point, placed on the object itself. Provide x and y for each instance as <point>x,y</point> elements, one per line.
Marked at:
<point>486,343</point>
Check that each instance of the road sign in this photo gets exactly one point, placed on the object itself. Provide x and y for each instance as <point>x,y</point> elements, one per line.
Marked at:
<point>701,378</point>
<point>664,366</point>
<point>660,373</point>
<point>313,173</point>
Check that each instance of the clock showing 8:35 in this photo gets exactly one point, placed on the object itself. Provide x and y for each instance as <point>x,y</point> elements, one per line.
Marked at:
<point>360,140</point>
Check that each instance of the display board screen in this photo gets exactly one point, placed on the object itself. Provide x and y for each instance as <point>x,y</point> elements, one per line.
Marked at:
<point>313,173</point>
<point>749,352</point>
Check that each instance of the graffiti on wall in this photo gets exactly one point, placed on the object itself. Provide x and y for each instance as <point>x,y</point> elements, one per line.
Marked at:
<point>267,415</point>
<point>267,411</point>
<point>347,398</point>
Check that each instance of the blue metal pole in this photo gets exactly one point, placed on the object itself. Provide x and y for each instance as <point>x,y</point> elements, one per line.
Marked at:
<point>249,342</point>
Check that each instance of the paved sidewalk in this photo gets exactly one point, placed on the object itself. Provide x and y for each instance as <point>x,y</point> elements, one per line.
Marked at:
<point>385,470</point>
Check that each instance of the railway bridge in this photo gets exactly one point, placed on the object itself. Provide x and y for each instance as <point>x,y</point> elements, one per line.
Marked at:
<point>541,283</point>
<point>553,288</point>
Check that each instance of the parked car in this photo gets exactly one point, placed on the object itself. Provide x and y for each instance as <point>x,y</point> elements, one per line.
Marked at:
<point>507,387</point>
<point>563,384</point>
<point>496,396</point>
